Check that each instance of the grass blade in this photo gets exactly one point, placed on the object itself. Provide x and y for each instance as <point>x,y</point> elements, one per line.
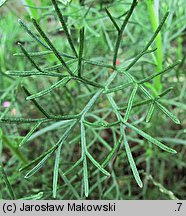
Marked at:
<point>61,83</point>
<point>151,139</point>
<point>168,113</point>
<point>130,103</point>
<point>130,158</point>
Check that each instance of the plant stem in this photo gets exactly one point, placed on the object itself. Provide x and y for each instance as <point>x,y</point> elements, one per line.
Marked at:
<point>158,40</point>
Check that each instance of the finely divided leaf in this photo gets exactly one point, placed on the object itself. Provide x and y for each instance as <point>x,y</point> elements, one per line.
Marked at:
<point>168,113</point>
<point>150,112</point>
<point>56,170</point>
<point>85,177</point>
<point>130,158</point>
<point>29,134</point>
<point>61,83</point>
<point>38,166</point>
<point>8,185</point>
<point>151,139</point>
<point>130,102</point>
<point>97,164</point>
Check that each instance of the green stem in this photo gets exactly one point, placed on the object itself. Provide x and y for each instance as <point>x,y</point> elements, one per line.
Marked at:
<point>158,40</point>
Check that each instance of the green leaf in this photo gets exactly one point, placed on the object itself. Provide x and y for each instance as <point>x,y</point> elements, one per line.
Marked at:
<point>120,33</point>
<point>83,139</point>
<point>51,150</point>
<point>73,166</point>
<point>91,102</point>
<point>1,144</point>
<point>81,47</point>
<point>150,111</point>
<point>112,19</point>
<point>38,106</point>
<point>84,151</point>
<point>61,83</point>
<point>32,34</point>
<point>8,185</point>
<point>97,164</point>
<point>37,196</point>
<point>85,177</point>
<point>130,157</point>
<point>117,88</point>
<point>151,139</point>
<point>59,14</point>
<point>50,44</point>
<point>159,73</point>
<point>166,91</point>
<point>56,170</point>
<point>2,2</point>
<point>29,57</point>
<point>57,159</point>
<point>112,153</point>
<point>146,92</point>
<point>130,102</point>
<point>149,43</point>
<point>34,73</point>
<point>168,113</point>
<point>39,165</point>
<point>67,182</point>
<point>38,159</point>
<point>53,126</point>
<point>29,134</point>
<point>107,37</point>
